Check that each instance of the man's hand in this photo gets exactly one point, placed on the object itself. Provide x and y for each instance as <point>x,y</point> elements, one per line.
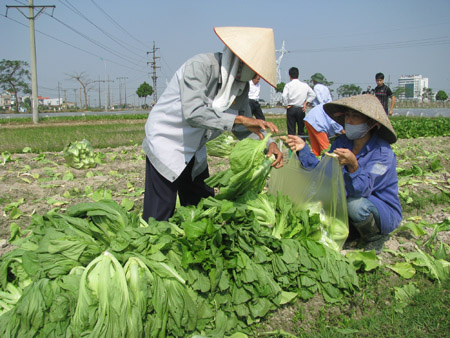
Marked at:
<point>347,158</point>
<point>255,125</point>
<point>294,142</point>
<point>273,150</point>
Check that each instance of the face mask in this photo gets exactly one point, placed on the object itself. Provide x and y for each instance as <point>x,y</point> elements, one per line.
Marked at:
<point>245,73</point>
<point>356,131</point>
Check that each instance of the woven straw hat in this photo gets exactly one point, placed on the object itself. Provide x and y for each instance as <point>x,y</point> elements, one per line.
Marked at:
<point>368,105</point>
<point>255,47</point>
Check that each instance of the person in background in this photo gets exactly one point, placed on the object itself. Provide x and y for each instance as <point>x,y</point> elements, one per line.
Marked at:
<point>318,124</point>
<point>207,96</point>
<point>369,90</point>
<point>323,94</point>
<point>320,128</point>
<point>296,96</point>
<point>383,93</point>
<point>368,165</point>
<point>253,97</point>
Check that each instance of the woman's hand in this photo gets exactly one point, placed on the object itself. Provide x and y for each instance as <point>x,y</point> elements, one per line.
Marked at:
<point>255,125</point>
<point>347,158</point>
<point>273,150</point>
<point>294,142</point>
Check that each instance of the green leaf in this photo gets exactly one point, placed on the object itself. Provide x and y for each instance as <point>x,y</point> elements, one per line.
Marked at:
<point>127,204</point>
<point>365,260</point>
<point>404,269</point>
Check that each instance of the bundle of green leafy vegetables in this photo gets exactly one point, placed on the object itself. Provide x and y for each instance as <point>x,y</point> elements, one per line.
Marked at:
<point>249,168</point>
<point>221,146</point>
<point>212,270</point>
<point>79,154</point>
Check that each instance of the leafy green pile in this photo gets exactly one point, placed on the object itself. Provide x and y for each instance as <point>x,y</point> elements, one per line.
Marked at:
<point>212,270</point>
<point>221,146</point>
<point>79,154</point>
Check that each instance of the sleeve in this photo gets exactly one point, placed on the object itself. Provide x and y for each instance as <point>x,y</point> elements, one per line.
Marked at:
<point>196,105</point>
<point>389,92</point>
<point>365,180</point>
<point>310,96</point>
<point>285,95</point>
<point>319,95</point>
<point>306,157</point>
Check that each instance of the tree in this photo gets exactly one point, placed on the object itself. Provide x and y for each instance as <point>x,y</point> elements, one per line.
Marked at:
<point>427,94</point>
<point>84,83</point>
<point>348,90</point>
<point>280,87</point>
<point>14,75</point>
<point>399,91</point>
<point>441,96</point>
<point>144,90</point>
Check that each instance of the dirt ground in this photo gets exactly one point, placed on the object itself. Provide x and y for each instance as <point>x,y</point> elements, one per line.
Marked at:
<point>44,182</point>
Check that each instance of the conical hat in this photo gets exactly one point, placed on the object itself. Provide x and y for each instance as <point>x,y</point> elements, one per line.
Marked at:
<point>368,105</point>
<point>255,47</point>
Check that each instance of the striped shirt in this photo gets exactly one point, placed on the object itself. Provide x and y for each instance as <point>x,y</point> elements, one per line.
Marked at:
<point>383,94</point>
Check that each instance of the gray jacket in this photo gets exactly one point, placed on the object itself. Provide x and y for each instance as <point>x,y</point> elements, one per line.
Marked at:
<point>183,119</point>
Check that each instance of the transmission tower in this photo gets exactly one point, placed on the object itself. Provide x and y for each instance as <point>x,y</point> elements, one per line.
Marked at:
<point>274,96</point>
<point>153,73</point>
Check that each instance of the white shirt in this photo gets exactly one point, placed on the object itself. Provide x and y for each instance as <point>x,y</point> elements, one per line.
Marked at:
<point>295,93</point>
<point>323,94</point>
<point>253,93</point>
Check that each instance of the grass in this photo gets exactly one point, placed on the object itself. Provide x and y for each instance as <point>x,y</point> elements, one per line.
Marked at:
<point>52,137</point>
<point>374,311</point>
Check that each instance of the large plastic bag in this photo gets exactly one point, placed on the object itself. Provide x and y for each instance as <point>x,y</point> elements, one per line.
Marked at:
<point>321,190</point>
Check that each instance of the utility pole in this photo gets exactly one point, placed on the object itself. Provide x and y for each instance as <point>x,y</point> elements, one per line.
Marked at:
<point>31,17</point>
<point>154,67</point>
<point>59,97</point>
<point>120,89</point>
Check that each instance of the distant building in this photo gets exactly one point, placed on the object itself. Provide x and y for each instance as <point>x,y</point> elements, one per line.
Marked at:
<point>414,86</point>
<point>6,101</point>
<point>52,102</point>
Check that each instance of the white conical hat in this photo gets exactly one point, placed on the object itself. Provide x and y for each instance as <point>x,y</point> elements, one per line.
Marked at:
<point>255,47</point>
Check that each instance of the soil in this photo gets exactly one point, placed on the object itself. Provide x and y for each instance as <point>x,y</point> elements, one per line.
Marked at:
<point>42,182</point>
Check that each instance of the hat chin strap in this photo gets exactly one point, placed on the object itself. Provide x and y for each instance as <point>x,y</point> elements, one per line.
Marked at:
<point>230,86</point>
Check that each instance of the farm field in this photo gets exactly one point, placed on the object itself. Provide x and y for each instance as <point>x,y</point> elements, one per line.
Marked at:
<point>35,183</point>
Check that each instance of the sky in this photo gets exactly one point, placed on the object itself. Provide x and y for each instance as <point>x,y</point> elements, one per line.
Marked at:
<point>348,41</point>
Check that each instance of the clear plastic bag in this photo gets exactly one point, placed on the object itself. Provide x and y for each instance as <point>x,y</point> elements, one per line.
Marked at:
<point>320,190</point>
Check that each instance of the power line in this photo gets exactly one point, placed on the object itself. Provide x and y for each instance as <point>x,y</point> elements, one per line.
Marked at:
<point>114,39</point>
<point>118,25</point>
<point>78,48</point>
<point>96,43</point>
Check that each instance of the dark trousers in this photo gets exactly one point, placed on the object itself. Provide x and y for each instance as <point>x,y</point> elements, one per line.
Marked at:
<point>161,195</point>
<point>256,109</point>
<point>294,119</point>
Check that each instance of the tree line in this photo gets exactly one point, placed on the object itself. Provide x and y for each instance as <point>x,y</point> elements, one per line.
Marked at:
<point>15,77</point>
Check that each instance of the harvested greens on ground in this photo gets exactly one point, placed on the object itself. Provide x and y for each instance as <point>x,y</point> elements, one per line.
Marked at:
<point>80,154</point>
<point>211,270</point>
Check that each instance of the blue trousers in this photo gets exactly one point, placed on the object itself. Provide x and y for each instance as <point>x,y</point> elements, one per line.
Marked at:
<point>359,210</point>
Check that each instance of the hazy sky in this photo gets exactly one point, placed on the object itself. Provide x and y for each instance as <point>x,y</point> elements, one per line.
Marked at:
<point>348,41</point>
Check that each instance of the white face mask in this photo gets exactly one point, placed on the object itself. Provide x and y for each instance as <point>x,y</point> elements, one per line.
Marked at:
<point>356,131</point>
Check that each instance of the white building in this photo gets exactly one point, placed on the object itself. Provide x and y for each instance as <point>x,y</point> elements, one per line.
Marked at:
<point>414,86</point>
<point>52,102</point>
